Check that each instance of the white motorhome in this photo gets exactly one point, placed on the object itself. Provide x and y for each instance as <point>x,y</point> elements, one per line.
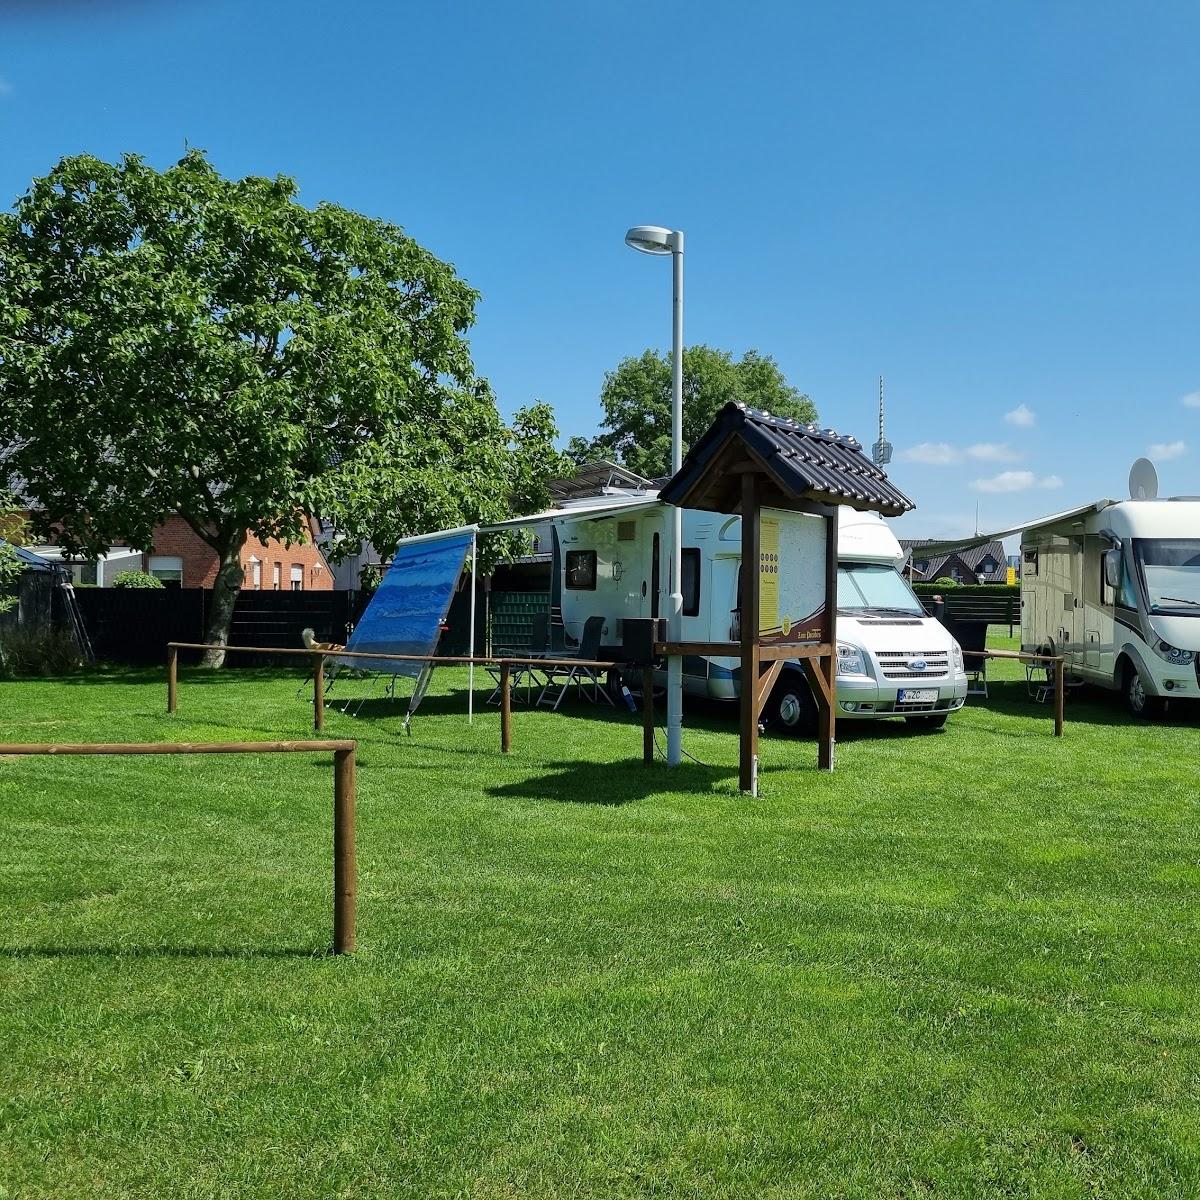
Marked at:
<point>1114,587</point>
<point>893,660</point>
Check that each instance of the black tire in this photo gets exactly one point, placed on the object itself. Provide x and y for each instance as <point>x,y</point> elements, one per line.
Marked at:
<point>790,709</point>
<point>1138,701</point>
<point>612,684</point>
<point>927,724</point>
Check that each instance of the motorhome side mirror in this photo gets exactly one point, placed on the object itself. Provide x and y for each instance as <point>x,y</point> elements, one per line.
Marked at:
<point>1112,568</point>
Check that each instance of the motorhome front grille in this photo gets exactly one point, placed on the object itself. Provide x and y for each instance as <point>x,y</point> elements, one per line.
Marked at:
<point>898,664</point>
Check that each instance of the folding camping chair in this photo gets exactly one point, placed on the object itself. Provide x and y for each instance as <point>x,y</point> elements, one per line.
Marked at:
<point>559,679</point>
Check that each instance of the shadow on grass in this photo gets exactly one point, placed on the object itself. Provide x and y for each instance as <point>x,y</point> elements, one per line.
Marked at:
<point>612,784</point>
<point>247,952</point>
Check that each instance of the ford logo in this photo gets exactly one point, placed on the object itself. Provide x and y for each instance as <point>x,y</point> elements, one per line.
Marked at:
<point>917,664</point>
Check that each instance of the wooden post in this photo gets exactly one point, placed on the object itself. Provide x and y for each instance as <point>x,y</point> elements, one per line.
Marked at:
<point>647,714</point>
<point>748,757</point>
<point>1060,689</point>
<point>345,870</point>
<point>172,678</point>
<point>319,693</point>
<point>505,708</point>
<point>827,710</point>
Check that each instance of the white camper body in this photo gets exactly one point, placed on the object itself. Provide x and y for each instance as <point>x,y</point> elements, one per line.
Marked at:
<point>1115,588</point>
<point>893,660</point>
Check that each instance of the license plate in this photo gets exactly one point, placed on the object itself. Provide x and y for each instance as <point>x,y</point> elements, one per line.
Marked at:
<point>916,696</point>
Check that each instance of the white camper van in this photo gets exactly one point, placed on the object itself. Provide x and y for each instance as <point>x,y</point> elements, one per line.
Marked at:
<point>893,660</point>
<point>1114,587</point>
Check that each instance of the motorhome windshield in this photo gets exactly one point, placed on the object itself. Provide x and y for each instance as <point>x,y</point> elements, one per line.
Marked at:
<point>869,587</point>
<point>1170,570</point>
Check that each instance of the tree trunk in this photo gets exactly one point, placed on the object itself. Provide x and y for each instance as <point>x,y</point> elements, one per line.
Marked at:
<point>224,597</point>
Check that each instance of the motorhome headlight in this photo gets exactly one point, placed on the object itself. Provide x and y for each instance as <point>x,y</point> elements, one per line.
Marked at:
<point>1175,656</point>
<point>956,650</point>
<point>850,660</point>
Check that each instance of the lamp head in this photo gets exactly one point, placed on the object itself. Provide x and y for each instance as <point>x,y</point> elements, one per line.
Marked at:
<point>654,239</point>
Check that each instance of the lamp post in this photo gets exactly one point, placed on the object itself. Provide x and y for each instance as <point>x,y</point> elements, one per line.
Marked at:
<point>653,239</point>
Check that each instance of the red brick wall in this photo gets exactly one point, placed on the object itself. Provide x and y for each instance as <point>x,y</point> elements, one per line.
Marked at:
<point>174,537</point>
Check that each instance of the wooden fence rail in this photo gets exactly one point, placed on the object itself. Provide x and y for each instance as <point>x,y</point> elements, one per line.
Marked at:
<point>345,871</point>
<point>318,657</point>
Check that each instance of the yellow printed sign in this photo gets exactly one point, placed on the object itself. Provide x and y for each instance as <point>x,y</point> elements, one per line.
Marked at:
<point>1012,576</point>
<point>768,572</point>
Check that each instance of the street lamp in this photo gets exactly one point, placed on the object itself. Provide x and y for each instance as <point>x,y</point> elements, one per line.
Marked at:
<point>653,239</point>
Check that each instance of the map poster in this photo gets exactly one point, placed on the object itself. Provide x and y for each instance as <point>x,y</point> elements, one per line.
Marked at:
<point>791,576</point>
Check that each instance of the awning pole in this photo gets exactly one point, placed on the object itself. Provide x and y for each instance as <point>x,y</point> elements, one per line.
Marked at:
<point>471,651</point>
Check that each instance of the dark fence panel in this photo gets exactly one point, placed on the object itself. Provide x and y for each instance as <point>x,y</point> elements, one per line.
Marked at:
<point>134,625</point>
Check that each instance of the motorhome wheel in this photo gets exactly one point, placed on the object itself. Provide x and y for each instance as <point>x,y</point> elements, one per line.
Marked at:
<point>1139,701</point>
<point>790,708</point>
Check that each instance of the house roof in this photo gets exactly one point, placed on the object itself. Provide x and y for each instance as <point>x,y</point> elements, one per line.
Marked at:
<point>971,557</point>
<point>799,462</point>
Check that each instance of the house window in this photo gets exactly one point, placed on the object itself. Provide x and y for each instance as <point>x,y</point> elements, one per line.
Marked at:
<point>297,577</point>
<point>987,566</point>
<point>276,576</point>
<point>581,570</point>
<point>168,568</point>
<point>255,574</point>
<point>691,583</point>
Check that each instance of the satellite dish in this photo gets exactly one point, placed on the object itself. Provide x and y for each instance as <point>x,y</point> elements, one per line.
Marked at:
<point>1143,480</point>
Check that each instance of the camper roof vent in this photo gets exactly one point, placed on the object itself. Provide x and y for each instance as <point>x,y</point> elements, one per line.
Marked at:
<point>626,531</point>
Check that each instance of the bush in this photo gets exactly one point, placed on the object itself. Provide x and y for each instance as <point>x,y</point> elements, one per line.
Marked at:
<point>945,581</point>
<point>136,579</point>
<point>39,652</point>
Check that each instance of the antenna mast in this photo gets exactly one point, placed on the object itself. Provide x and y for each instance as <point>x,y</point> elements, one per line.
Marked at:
<point>881,452</point>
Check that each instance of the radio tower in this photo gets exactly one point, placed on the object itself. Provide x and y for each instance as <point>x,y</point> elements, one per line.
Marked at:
<point>881,452</point>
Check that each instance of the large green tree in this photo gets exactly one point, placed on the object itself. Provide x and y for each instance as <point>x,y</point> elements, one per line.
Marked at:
<point>179,342</point>
<point>636,399</point>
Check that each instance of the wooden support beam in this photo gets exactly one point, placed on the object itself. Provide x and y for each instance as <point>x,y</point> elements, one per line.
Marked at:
<point>785,652</point>
<point>319,693</point>
<point>748,756</point>
<point>708,649</point>
<point>827,716</point>
<point>1060,695</point>
<point>172,679</point>
<point>766,681</point>
<point>816,678</point>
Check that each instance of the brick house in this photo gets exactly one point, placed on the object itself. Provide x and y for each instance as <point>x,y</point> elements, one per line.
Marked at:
<point>179,558</point>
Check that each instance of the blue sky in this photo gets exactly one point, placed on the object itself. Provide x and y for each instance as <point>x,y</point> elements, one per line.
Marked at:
<point>992,205</point>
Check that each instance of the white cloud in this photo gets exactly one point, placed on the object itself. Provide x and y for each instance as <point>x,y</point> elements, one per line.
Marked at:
<point>934,454</point>
<point>1165,451</point>
<point>1016,481</point>
<point>993,452</point>
<point>1191,400</point>
<point>1021,416</point>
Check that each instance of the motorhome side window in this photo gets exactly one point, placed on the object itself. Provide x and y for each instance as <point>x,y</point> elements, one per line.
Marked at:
<point>691,583</point>
<point>581,570</point>
<point>1030,566</point>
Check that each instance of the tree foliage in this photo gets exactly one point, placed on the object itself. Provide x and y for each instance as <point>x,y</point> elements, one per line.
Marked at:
<point>178,342</point>
<point>636,399</point>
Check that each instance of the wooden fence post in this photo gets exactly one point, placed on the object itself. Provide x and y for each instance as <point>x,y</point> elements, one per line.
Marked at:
<point>505,708</point>
<point>172,679</point>
<point>319,692</point>
<point>647,714</point>
<point>345,870</point>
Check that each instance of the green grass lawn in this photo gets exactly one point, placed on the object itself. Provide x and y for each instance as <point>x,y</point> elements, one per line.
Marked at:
<point>964,965</point>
